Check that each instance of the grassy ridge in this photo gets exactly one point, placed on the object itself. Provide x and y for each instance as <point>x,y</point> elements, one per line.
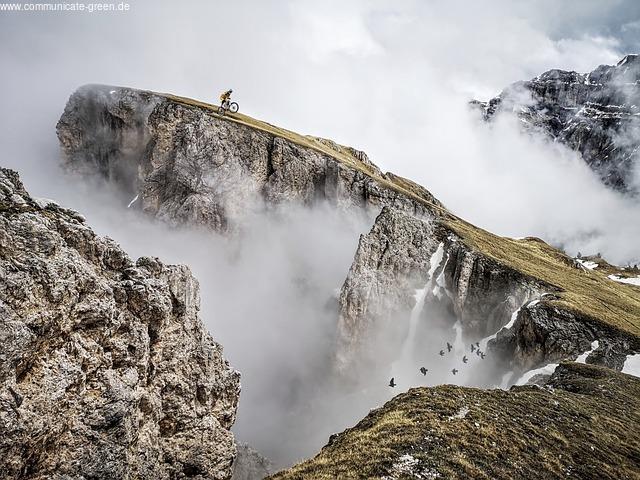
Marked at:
<point>339,152</point>
<point>586,426</point>
<point>585,292</point>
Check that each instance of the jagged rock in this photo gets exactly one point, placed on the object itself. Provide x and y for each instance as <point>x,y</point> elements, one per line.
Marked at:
<point>393,261</point>
<point>190,166</point>
<point>584,423</point>
<point>106,370</point>
<point>481,290</point>
<point>250,465</point>
<point>596,114</point>
<point>544,333</point>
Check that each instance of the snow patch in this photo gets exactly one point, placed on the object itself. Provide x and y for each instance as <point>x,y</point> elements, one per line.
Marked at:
<point>546,370</point>
<point>462,413</point>
<point>587,263</point>
<point>632,365</point>
<point>631,281</point>
<point>133,201</point>
<point>409,466</point>
<point>582,358</point>
<point>512,320</point>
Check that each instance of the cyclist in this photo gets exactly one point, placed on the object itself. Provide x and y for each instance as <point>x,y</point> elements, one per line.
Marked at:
<point>225,98</point>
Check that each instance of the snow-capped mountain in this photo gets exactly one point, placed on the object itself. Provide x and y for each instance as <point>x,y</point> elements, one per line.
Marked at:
<point>595,113</point>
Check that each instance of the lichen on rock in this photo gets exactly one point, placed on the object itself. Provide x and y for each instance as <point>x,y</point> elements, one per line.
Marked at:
<point>106,370</point>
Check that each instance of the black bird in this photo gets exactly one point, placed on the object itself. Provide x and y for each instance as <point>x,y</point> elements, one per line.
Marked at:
<point>464,359</point>
<point>423,370</point>
<point>478,352</point>
<point>473,347</point>
<point>454,371</point>
<point>482,355</point>
<point>478,344</point>
<point>449,347</point>
<point>392,383</point>
<point>441,353</point>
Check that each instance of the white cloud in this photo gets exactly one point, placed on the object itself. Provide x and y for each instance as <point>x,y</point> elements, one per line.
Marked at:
<point>392,78</point>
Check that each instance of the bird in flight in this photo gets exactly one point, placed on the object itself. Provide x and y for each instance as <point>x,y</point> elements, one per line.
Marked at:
<point>482,355</point>
<point>478,352</point>
<point>473,347</point>
<point>392,383</point>
<point>464,359</point>
<point>423,370</point>
<point>441,353</point>
<point>449,347</point>
<point>454,371</point>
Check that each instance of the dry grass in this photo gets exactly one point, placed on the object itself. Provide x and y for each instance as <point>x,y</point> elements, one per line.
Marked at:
<point>585,427</point>
<point>339,152</point>
<point>586,292</point>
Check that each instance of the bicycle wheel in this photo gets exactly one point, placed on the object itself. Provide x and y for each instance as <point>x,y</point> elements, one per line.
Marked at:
<point>220,110</point>
<point>233,108</point>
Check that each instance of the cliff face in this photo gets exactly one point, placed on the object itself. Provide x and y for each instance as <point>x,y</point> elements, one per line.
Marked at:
<point>419,275</point>
<point>477,283</point>
<point>185,165</point>
<point>582,424</point>
<point>106,371</point>
<point>179,161</point>
<point>596,114</point>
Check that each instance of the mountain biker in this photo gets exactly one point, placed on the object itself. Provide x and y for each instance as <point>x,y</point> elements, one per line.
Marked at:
<point>225,97</point>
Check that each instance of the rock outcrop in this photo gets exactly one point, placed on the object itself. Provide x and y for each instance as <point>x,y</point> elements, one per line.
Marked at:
<point>182,163</point>
<point>106,370</point>
<point>419,270</point>
<point>479,283</point>
<point>596,114</point>
<point>584,423</point>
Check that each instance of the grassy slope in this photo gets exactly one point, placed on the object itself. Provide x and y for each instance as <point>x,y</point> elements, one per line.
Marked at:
<point>339,152</point>
<point>586,426</point>
<point>587,293</point>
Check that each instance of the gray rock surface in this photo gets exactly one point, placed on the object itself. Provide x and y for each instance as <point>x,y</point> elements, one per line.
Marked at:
<point>189,166</point>
<point>596,114</point>
<point>391,262</point>
<point>468,289</point>
<point>106,370</point>
<point>543,333</point>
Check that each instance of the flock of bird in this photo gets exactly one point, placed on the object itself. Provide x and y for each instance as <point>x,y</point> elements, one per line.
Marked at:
<point>475,348</point>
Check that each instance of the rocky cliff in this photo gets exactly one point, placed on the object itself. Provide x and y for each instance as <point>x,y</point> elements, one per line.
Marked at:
<point>582,424</point>
<point>596,114</point>
<point>106,370</point>
<point>421,274</point>
<point>179,161</point>
<point>550,305</point>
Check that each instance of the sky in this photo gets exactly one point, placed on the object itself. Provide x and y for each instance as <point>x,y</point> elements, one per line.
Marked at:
<point>392,78</point>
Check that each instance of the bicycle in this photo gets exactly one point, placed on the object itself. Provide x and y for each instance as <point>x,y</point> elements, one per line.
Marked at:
<point>228,106</point>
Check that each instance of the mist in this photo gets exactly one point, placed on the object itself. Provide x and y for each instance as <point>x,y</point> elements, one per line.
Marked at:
<point>391,78</point>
